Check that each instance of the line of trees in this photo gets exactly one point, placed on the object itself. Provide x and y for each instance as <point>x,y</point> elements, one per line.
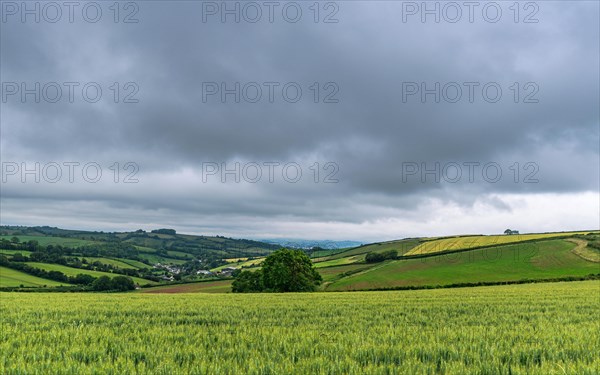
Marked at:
<point>374,257</point>
<point>102,283</point>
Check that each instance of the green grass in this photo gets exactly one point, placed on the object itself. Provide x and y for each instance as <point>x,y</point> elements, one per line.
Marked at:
<point>12,252</point>
<point>468,242</point>
<point>246,263</point>
<point>158,259</point>
<point>341,261</point>
<point>70,271</point>
<point>328,252</point>
<point>134,263</point>
<point>333,273</point>
<point>532,260</point>
<point>519,329</point>
<point>49,240</point>
<point>180,254</point>
<point>120,263</point>
<point>15,278</point>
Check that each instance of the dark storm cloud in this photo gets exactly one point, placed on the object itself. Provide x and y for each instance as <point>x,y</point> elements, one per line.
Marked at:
<point>371,134</point>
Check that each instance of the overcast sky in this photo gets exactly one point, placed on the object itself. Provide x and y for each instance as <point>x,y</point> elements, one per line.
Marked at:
<point>485,120</point>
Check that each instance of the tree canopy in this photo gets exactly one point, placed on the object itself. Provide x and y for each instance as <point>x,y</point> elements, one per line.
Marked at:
<point>283,271</point>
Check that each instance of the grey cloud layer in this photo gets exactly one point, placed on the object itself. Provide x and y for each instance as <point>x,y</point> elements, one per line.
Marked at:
<point>369,133</point>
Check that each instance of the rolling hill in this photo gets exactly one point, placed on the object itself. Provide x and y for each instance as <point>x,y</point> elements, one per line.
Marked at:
<point>10,278</point>
<point>134,254</point>
<point>531,260</point>
<point>535,257</point>
<point>473,242</point>
<point>156,257</point>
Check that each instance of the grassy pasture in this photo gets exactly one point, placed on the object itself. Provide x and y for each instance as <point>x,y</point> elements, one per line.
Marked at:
<point>180,254</point>
<point>341,261</point>
<point>113,262</point>
<point>246,263</point>
<point>519,329</point>
<point>332,273</point>
<point>530,260</point>
<point>158,259</point>
<point>70,271</point>
<point>134,263</point>
<point>12,252</point>
<point>15,278</point>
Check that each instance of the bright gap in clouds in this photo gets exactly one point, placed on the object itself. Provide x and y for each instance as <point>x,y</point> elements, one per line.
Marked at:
<point>526,213</point>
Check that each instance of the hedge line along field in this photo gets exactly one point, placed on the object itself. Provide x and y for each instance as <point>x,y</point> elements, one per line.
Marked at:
<point>520,329</point>
<point>49,240</point>
<point>469,242</point>
<point>70,271</point>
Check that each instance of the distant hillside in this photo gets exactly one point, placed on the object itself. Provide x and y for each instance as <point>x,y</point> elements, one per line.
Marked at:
<point>47,256</point>
<point>561,257</point>
<point>162,241</point>
<point>539,260</point>
<point>33,257</point>
<point>309,244</point>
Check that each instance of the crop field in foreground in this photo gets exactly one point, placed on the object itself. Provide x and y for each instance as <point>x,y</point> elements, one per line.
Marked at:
<point>547,328</point>
<point>216,286</point>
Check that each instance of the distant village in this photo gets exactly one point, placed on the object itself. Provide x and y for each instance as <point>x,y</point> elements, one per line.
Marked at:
<point>174,270</point>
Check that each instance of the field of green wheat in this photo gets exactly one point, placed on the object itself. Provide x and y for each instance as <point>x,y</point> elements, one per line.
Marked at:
<point>520,329</point>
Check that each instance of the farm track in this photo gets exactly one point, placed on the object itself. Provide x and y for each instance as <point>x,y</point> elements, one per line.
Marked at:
<point>582,251</point>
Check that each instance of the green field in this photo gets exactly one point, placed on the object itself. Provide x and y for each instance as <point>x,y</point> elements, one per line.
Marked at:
<point>341,261</point>
<point>15,278</point>
<point>180,254</point>
<point>12,252</point>
<point>107,261</point>
<point>244,263</point>
<point>530,260</point>
<point>121,263</point>
<point>135,263</point>
<point>152,258</point>
<point>469,242</point>
<point>70,271</point>
<point>520,329</point>
<point>333,273</point>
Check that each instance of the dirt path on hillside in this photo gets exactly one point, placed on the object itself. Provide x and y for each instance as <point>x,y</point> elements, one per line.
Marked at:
<point>582,251</point>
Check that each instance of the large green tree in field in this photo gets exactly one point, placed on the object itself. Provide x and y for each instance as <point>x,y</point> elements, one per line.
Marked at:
<point>248,282</point>
<point>283,271</point>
